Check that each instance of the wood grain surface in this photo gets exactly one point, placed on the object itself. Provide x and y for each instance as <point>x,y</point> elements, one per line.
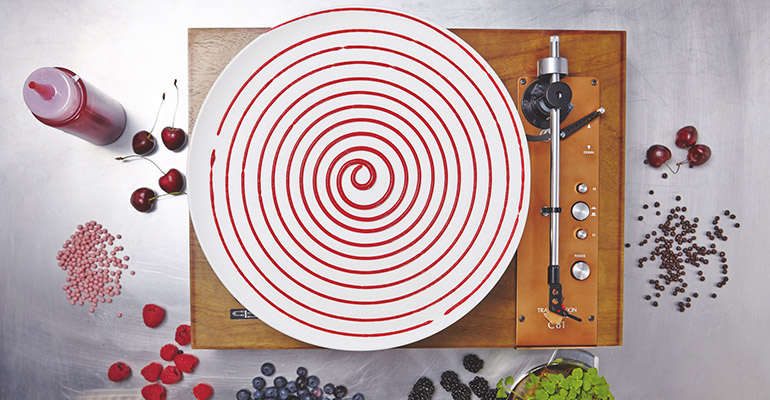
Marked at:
<point>511,53</point>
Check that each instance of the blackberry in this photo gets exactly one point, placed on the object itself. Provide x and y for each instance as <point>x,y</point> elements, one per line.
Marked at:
<point>424,385</point>
<point>418,396</point>
<point>473,363</point>
<point>479,386</point>
<point>461,392</point>
<point>490,395</point>
<point>449,380</point>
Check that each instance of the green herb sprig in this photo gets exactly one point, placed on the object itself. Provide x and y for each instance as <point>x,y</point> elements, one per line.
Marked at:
<point>579,385</point>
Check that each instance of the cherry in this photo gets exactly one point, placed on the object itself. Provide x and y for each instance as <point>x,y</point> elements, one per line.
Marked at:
<point>657,155</point>
<point>143,143</point>
<point>172,181</point>
<point>143,199</point>
<point>686,137</point>
<point>698,154</point>
<point>174,138</point>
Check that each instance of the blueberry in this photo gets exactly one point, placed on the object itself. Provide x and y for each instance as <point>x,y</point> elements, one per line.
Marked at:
<point>302,392</point>
<point>292,386</point>
<point>271,392</point>
<point>329,388</point>
<point>243,394</point>
<point>302,371</point>
<point>340,391</point>
<point>268,369</point>
<point>313,381</point>
<point>301,382</point>
<point>317,392</point>
<point>283,393</point>
<point>258,383</point>
<point>258,395</point>
<point>306,397</point>
<point>358,396</point>
<point>279,382</point>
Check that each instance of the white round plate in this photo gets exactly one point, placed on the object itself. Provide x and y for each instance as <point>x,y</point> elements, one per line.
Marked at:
<point>358,178</point>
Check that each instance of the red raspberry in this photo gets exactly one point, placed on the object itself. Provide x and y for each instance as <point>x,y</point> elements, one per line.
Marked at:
<point>202,391</point>
<point>118,371</point>
<point>170,375</point>
<point>169,351</point>
<point>152,371</point>
<point>186,362</point>
<point>153,315</point>
<point>154,392</point>
<point>183,335</point>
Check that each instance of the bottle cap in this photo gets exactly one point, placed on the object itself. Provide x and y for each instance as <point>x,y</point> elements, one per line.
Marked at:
<point>51,94</point>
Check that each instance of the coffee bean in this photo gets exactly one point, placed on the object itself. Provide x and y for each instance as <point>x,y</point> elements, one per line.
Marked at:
<point>737,225</point>
<point>732,216</point>
<point>695,294</point>
<point>652,191</point>
<point>640,218</point>
<point>665,175</point>
<point>678,198</point>
<point>713,295</point>
<point>645,206</point>
<point>656,204</point>
<point>654,303</point>
<point>648,297</point>
<point>628,245</point>
<point>727,212</point>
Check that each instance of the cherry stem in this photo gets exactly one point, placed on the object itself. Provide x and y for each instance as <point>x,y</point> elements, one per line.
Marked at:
<point>164,195</point>
<point>677,166</point>
<point>160,107</point>
<point>138,156</point>
<point>176,107</point>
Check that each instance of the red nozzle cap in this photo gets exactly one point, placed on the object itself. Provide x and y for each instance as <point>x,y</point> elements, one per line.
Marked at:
<point>47,92</point>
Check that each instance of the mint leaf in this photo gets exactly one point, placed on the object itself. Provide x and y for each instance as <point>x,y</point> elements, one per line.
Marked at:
<point>500,383</point>
<point>509,381</point>
<point>587,385</point>
<point>540,394</point>
<point>577,373</point>
<point>501,393</point>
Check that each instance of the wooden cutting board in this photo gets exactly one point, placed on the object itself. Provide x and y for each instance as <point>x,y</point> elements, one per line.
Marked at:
<point>511,53</point>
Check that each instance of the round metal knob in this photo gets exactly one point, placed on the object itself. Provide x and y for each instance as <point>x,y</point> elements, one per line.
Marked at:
<point>580,211</point>
<point>582,188</point>
<point>580,270</point>
<point>581,234</point>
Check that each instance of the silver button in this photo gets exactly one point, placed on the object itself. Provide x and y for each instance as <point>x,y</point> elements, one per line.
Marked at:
<point>580,270</point>
<point>581,234</point>
<point>580,211</point>
<point>582,188</point>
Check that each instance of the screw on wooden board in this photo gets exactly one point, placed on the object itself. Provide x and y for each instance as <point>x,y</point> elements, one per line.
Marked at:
<point>593,82</point>
<point>521,318</point>
<point>523,81</point>
<point>591,318</point>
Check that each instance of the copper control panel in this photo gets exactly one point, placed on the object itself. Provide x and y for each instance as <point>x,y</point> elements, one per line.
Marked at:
<point>578,234</point>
